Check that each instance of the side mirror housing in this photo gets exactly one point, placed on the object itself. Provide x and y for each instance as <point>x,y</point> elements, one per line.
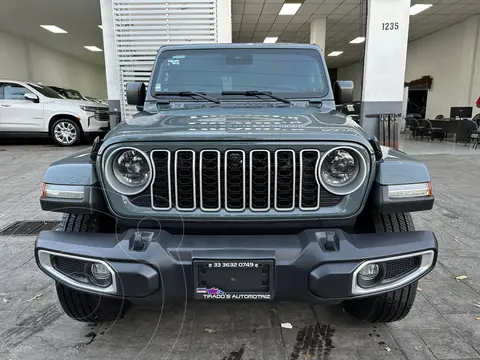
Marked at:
<point>31,97</point>
<point>343,92</point>
<point>136,93</point>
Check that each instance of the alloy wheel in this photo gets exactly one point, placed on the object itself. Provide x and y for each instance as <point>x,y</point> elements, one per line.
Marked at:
<point>65,133</point>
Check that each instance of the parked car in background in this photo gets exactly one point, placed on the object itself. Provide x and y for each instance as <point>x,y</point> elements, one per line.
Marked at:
<point>68,93</point>
<point>33,110</point>
<point>75,95</point>
<point>96,100</point>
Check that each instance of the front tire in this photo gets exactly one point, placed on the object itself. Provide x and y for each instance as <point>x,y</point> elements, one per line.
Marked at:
<point>83,306</point>
<point>66,132</point>
<point>89,308</point>
<point>393,305</point>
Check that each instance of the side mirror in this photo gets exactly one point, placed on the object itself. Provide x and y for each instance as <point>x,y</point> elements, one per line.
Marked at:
<point>31,97</point>
<point>136,93</point>
<point>343,92</point>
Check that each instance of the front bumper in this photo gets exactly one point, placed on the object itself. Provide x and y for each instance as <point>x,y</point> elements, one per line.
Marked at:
<point>307,266</point>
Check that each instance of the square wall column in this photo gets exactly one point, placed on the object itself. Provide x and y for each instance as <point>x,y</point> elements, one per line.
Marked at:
<point>114,89</point>
<point>385,60</point>
<point>318,30</point>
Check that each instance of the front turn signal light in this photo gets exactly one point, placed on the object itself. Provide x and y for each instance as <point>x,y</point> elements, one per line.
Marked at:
<point>410,190</point>
<point>63,191</point>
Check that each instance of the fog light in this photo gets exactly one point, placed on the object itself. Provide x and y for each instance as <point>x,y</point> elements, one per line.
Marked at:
<point>100,275</point>
<point>100,271</point>
<point>369,272</point>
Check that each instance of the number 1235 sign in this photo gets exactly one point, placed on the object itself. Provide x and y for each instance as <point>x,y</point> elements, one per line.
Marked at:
<point>388,26</point>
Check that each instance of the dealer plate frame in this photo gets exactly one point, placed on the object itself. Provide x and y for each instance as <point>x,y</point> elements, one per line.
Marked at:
<point>203,293</point>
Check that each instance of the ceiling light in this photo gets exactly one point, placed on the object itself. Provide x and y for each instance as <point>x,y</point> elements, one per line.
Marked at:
<point>415,9</point>
<point>100,26</point>
<point>358,40</point>
<point>290,8</point>
<point>53,29</point>
<point>270,40</point>
<point>335,53</point>
<point>93,48</point>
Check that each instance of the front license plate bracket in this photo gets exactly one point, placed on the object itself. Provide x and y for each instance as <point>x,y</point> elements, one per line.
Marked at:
<point>239,279</point>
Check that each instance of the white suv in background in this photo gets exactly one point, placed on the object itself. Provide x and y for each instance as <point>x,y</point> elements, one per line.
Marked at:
<point>31,110</point>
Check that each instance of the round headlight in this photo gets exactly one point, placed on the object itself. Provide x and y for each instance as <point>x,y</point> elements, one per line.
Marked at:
<point>131,168</point>
<point>339,168</point>
<point>128,171</point>
<point>342,170</point>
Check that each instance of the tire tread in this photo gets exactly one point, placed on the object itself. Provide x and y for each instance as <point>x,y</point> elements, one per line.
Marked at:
<point>393,305</point>
<point>80,305</point>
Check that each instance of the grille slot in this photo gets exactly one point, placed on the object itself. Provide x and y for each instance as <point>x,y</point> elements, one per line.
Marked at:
<point>185,186</point>
<point>161,188</point>
<point>285,171</point>
<point>210,180</point>
<point>260,180</point>
<point>234,180</point>
<point>401,267</point>
<point>309,196</point>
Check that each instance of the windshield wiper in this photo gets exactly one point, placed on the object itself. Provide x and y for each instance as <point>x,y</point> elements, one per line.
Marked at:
<point>191,94</point>
<point>256,93</point>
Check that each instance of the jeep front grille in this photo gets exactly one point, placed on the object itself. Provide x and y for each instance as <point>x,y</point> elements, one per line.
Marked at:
<point>235,180</point>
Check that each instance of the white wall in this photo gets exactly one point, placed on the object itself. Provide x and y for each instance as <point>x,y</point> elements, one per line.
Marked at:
<point>451,56</point>
<point>21,59</point>
<point>475,76</point>
<point>354,73</point>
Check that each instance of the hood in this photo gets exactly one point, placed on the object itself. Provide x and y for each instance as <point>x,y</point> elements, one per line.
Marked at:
<point>233,124</point>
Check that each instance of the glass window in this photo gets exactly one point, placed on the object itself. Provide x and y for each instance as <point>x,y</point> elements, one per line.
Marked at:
<point>289,71</point>
<point>14,92</point>
<point>72,94</point>
<point>46,91</point>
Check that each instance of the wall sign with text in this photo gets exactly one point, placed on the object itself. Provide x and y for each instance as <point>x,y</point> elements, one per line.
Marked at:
<point>386,26</point>
<point>385,50</point>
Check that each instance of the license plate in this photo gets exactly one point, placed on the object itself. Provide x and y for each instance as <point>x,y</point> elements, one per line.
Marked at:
<point>233,279</point>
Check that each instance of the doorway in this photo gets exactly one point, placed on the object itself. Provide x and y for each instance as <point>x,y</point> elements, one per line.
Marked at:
<point>417,102</point>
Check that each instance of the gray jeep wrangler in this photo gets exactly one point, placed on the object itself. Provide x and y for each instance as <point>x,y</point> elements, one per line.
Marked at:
<point>237,180</point>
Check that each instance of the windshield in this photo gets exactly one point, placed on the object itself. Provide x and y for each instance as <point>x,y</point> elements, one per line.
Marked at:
<point>72,94</point>
<point>46,91</point>
<point>288,72</point>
